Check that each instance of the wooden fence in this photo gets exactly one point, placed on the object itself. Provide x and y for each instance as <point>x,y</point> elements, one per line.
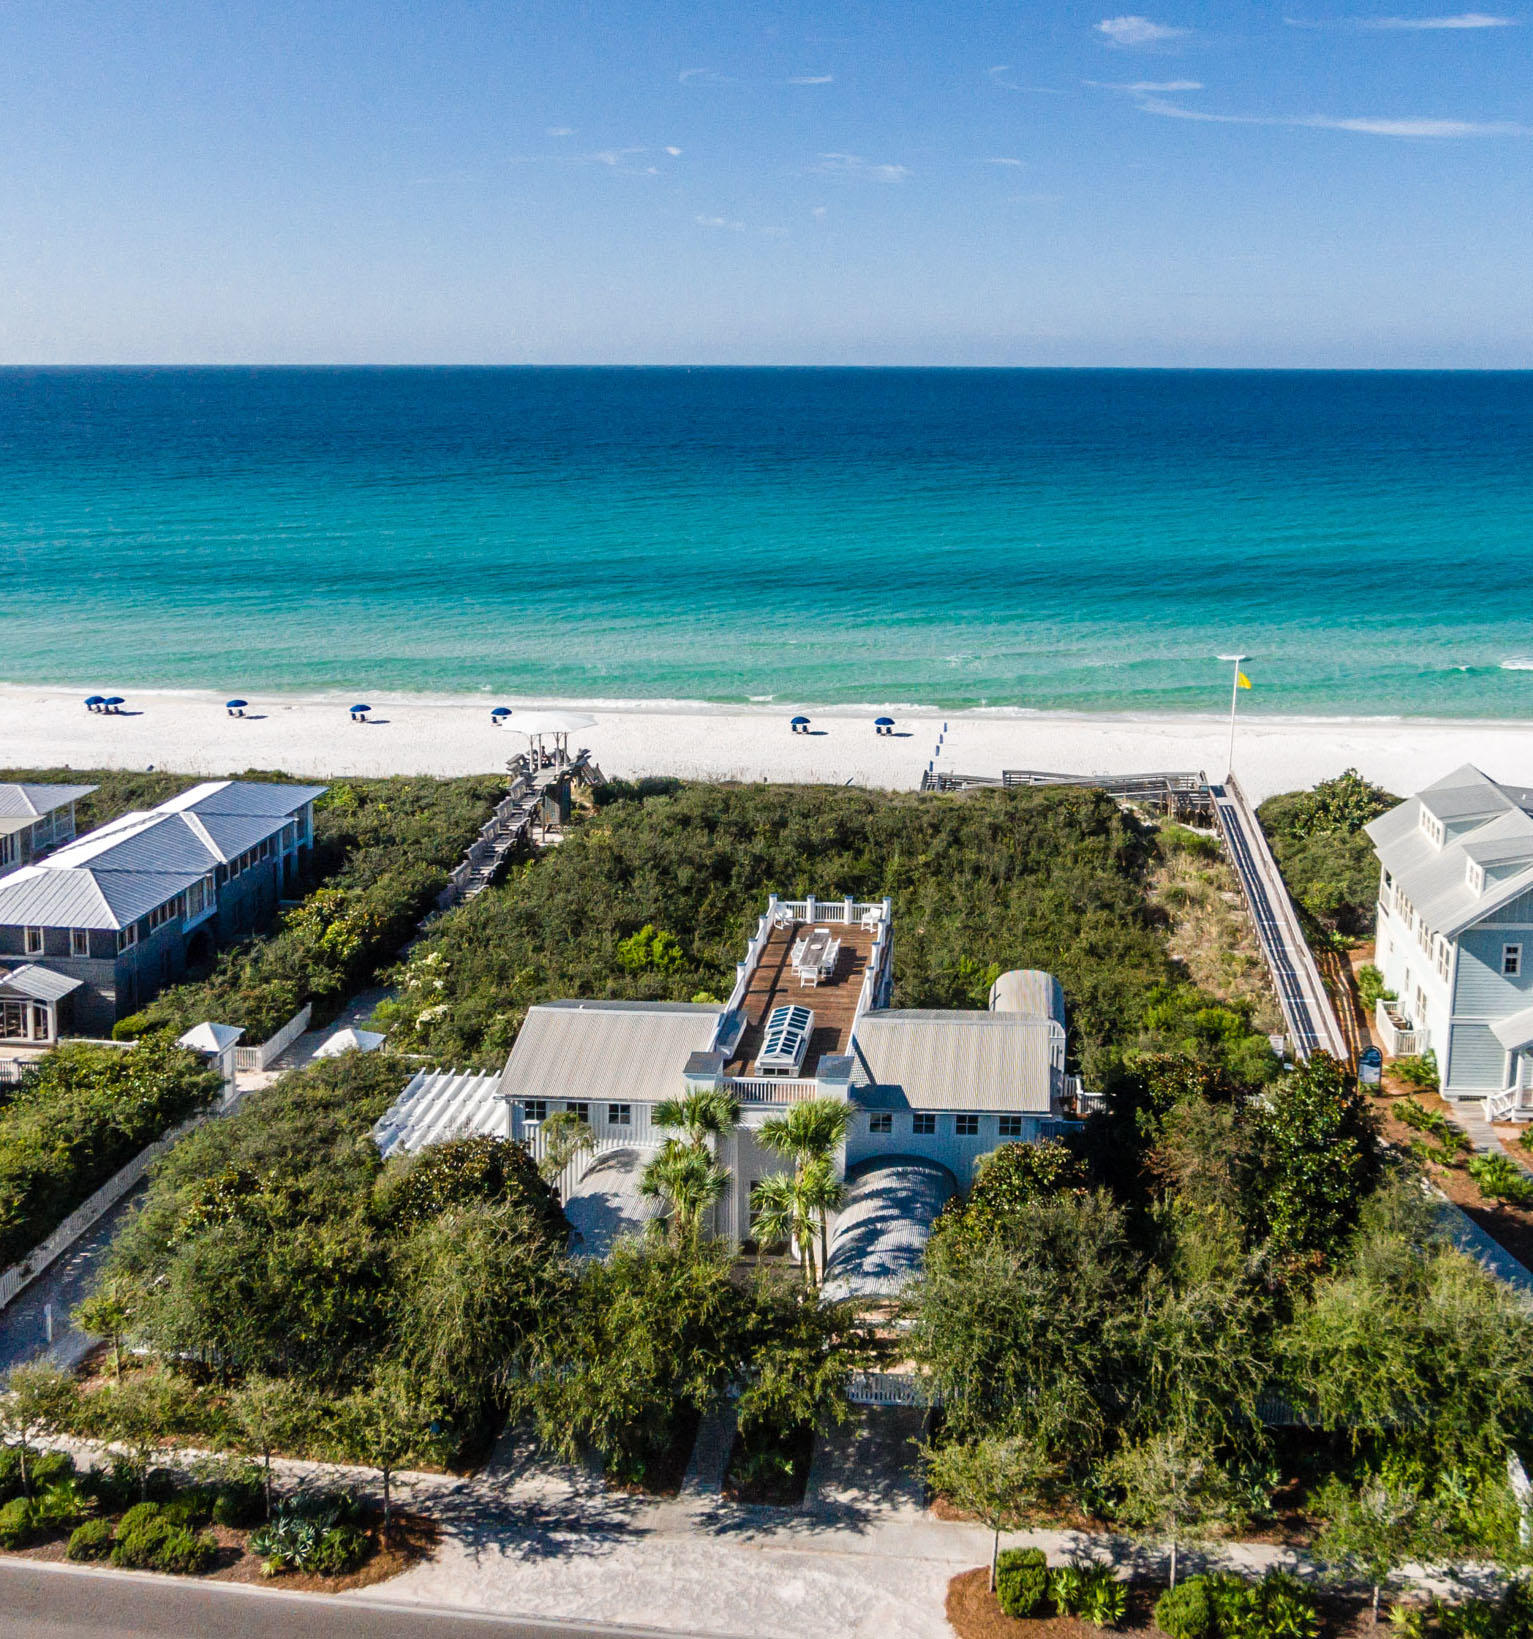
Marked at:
<point>266,1053</point>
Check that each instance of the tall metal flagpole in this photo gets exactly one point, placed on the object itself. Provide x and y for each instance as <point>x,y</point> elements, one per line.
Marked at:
<point>1235,659</point>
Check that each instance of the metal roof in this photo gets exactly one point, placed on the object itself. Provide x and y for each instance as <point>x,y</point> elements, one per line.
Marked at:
<point>441,1104</point>
<point>885,1222</point>
<point>257,799</point>
<point>1487,824</point>
<point>33,801</point>
<point>349,1040</point>
<point>1030,991</point>
<point>40,984</point>
<point>921,1059</point>
<point>211,1038</point>
<point>600,1051</point>
<point>1514,1031</point>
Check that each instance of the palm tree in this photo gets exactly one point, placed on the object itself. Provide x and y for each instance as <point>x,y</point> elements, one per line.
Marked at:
<point>703,1113</point>
<point>688,1180</point>
<point>781,1211</point>
<point>809,1135</point>
<point>565,1135</point>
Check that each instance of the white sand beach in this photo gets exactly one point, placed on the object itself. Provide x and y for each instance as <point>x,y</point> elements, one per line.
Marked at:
<point>46,727</point>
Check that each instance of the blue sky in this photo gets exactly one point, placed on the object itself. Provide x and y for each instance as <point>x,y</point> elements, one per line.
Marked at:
<point>958,183</point>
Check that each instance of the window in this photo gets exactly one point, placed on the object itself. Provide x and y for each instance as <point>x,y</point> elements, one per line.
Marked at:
<point>8,849</point>
<point>881,1123</point>
<point>79,941</point>
<point>923,1123</point>
<point>580,1111</point>
<point>535,1109</point>
<point>1011,1126</point>
<point>127,938</point>
<point>620,1115</point>
<point>1511,961</point>
<point>966,1126</point>
<point>34,941</point>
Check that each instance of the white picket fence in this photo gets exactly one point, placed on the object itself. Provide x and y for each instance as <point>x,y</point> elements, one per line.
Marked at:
<point>264,1054</point>
<point>21,1275</point>
<point>891,1389</point>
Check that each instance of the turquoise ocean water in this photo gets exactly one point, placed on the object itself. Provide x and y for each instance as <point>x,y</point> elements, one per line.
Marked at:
<point>1082,540</point>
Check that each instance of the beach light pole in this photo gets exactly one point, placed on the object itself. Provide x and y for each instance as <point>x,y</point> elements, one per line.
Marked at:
<point>1235,682</point>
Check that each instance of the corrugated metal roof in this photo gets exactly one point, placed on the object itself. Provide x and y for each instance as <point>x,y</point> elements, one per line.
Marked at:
<point>255,799</point>
<point>619,1051</point>
<point>40,984</point>
<point>959,1061</point>
<point>33,897</point>
<point>1030,991</point>
<point>162,842</point>
<point>33,801</point>
<point>883,1227</point>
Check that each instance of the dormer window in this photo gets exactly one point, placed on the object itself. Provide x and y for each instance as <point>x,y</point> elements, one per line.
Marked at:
<point>1433,827</point>
<point>1474,875</point>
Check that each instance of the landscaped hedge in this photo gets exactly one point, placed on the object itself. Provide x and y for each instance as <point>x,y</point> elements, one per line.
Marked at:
<point>383,850</point>
<point>1325,855</point>
<point>80,1116</point>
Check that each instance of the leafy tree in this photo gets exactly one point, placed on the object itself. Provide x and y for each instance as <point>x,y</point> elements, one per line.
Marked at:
<point>996,1476</point>
<point>649,1337</point>
<point>650,950</point>
<point>109,1311</point>
<point>1174,1489</point>
<point>1325,856</point>
<point>1008,1181</point>
<point>783,1209</point>
<point>689,1181</point>
<point>1317,1159</point>
<point>1375,1529</point>
<point>465,1170</point>
<point>38,1400</point>
<point>268,1413</point>
<point>137,1415</point>
<point>797,1355</point>
<point>474,1284</point>
<point>382,1425</point>
<point>1049,1317</point>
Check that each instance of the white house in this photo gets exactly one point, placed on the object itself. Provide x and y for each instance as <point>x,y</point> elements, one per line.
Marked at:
<point>1455,936</point>
<point>808,1018</point>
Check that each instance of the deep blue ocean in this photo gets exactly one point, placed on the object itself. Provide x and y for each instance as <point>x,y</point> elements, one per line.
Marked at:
<point>1032,538</point>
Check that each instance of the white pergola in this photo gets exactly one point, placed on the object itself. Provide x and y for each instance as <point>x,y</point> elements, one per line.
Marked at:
<point>557,726</point>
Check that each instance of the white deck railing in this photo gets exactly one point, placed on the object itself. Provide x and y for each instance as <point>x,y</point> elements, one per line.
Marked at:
<point>1396,1034</point>
<point>891,1389</point>
<point>771,1089</point>
<point>831,910</point>
<point>264,1054</point>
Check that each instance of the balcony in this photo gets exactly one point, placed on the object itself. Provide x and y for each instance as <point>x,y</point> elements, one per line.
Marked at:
<point>1398,1036</point>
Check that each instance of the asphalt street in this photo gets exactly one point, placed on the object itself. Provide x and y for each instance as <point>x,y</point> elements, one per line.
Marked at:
<point>57,1602</point>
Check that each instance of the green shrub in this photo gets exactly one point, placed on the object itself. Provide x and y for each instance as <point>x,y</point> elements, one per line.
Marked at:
<point>239,1506</point>
<point>18,1523</point>
<point>92,1540</point>
<point>1106,1599</point>
<point>1285,1611</point>
<point>1067,1588</point>
<point>1186,1611</point>
<point>1021,1581</point>
<point>1370,986</point>
<point>318,1533</point>
<point>139,1514</point>
<point>138,1540</point>
<point>340,1550</point>
<point>192,1507</point>
<point>183,1552</point>
<point>1419,1071</point>
<point>64,1503</point>
<point>1499,1178</point>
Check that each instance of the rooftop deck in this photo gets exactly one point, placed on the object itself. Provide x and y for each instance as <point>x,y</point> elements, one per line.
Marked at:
<point>834,999</point>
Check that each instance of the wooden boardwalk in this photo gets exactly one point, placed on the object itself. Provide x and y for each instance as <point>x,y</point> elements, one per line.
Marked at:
<point>833,1000</point>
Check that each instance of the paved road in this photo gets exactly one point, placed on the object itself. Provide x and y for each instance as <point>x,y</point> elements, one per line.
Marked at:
<point>54,1602</point>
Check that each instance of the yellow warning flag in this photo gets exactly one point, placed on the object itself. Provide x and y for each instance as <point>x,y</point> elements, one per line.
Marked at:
<point>1242,680</point>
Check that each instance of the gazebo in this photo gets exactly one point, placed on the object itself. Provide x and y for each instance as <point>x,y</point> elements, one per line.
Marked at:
<point>557,726</point>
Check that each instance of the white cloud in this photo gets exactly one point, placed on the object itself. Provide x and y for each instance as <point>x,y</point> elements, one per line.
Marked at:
<point>703,76</point>
<point>720,222</point>
<point>1136,31</point>
<point>1367,125</point>
<point>675,153</point>
<point>818,213</point>
<point>856,166</point>
<point>1145,88</point>
<point>1001,75</point>
<point>811,79</point>
<point>1462,20</point>
<point>561,130</point>
<point>1006,161</point>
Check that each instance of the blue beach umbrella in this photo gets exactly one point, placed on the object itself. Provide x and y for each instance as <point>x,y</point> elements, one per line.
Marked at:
<point>361,708</point>
<point>501,711</point>
<point>799,723</point>
<point>236,705</point>
<point>113,700</point>
<point>883,722</point>
<point>94,700</point>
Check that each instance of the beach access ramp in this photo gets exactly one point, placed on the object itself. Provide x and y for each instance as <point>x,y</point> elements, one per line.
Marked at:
<point>1312,1023</point>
